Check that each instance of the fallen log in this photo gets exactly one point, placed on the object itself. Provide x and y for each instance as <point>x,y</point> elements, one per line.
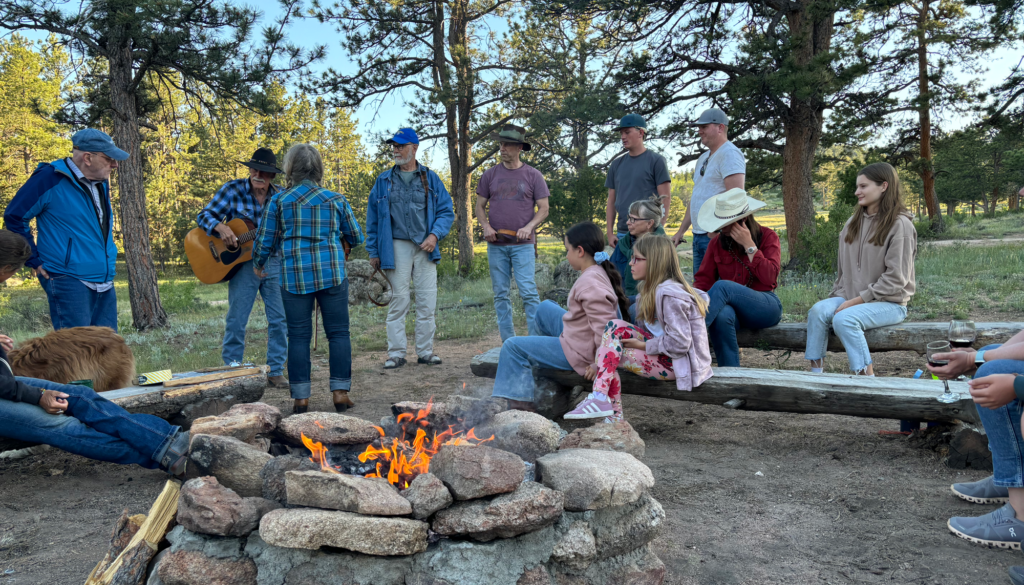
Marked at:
<point>787,391</point>
<point>181,404</point>
<point>902,337</point>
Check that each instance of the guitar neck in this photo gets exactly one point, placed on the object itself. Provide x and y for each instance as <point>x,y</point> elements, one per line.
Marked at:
<point>247,237</point>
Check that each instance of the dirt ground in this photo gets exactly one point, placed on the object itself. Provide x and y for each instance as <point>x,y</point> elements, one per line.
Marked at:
<point>836,503</point>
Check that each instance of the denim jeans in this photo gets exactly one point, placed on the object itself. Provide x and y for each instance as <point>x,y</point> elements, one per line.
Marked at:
<point>733,306</point>
<point>92,427</point>
<point>700,247</point>
<point>618,258</point>
<point>849,325</point>
<point>504,261</point>
<point>242,289</point>
<point>72,304</point>
<point>334,311</point>
<point>1002,425</point>
<point>519,355</point>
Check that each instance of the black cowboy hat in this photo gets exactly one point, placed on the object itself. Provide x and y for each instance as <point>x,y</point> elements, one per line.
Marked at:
<point>512,133</point>
<point>264,160</point>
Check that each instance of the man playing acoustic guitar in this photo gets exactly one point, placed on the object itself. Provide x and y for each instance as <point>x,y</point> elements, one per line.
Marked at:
<point>245,199</point>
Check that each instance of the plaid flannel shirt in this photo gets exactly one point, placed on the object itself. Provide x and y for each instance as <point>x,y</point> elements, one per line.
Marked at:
<point>233,200</point>
<point>307,223</point>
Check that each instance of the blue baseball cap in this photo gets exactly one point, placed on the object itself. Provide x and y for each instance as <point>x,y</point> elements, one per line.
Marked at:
<point>632,121</point>
<point>404,136</point>
<point>92,140</point>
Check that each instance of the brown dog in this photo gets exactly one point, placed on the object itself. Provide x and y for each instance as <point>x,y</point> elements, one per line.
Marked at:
<point>77,353</point>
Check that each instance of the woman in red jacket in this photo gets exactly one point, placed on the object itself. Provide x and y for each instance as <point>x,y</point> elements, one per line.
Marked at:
<point>739,272</point>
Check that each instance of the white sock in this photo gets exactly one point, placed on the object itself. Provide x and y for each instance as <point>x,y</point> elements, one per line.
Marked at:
<point>598,395</point>
<point>817,370</point>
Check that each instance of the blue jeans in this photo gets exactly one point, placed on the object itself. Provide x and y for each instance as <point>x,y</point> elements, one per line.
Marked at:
<point>505,261</point>
<point>618,258</point>
<point>92,427</point>
<point>849,325</point>
<point>700,247</point>
<point>72,304</point>
<point>242,289</point>
<point>334,311</point>
<point>1002,425</point>
<point>519,355</point>
<point>733,306</point>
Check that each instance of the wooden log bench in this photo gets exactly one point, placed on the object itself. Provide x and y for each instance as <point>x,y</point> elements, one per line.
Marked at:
<point>785,391</point>
<point>902,337</point>
<point>182,403</point>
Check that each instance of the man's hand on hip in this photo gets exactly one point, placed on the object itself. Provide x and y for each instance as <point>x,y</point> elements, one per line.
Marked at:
<point>429,244</point>
<point>41,272</point>
<point>613,240</point>
<point>228,236</point>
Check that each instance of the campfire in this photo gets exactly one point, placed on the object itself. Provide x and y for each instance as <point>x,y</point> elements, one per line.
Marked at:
<point>399,459</point>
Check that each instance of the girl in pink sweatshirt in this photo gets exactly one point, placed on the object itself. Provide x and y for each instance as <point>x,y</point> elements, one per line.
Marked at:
<point>670,341</point>
<point>566,340</point>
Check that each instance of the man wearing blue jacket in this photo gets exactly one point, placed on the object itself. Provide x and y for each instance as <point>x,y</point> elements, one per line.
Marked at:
<point>408,213</point>
<point>75,252</point>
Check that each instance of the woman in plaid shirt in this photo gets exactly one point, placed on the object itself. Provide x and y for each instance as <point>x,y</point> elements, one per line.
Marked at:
<point>307,223</point>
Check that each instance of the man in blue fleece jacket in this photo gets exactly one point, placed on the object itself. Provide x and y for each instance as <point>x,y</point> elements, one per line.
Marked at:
<point>75,252</point>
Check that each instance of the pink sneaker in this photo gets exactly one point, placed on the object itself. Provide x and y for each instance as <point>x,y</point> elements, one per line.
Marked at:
<point>592,408</point>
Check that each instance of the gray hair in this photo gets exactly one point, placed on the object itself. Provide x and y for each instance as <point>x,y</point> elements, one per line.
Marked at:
<point>303,162</point>
<point>648,209</point>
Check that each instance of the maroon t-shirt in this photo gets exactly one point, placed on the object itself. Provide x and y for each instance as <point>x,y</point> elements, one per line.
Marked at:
<point>512,196</point>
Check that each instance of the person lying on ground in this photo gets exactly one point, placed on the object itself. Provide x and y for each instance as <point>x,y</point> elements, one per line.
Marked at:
<point>876,279</point>
<point>998,393</point>
<point>566,340</point>
<point>75,418</point>
<point>669,341</point>
<point>740,272</point>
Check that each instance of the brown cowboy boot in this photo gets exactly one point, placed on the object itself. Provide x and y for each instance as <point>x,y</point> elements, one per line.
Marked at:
<point>342,402</point>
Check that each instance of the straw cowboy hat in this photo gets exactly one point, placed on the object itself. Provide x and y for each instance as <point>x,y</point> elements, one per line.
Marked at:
<point>726,208</point>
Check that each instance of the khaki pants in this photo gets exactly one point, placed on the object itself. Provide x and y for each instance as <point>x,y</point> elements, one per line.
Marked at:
<point>412,264</point>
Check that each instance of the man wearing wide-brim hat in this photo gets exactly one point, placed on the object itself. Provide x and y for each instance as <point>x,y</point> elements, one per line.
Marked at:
<point>516,197</point>
<point>638,174</point>
<point>246,199</point>
<point>75,253</point>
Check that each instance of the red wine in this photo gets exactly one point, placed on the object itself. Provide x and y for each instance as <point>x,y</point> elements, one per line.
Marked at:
<point>938,363</point>
<point>960,342</point>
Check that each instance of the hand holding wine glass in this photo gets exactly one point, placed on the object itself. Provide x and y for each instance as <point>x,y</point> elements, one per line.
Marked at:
<point>936,348</point>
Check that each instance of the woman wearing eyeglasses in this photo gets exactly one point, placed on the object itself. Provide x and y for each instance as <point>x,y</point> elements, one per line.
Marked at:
<point>740,272</point>
<point>644,218</point>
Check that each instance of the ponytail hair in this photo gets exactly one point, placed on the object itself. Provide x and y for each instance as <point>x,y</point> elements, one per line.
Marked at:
<point>588,236</point>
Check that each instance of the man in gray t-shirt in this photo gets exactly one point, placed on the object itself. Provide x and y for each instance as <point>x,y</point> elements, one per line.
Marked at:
<point>719,169</point>
<point>638,174</point>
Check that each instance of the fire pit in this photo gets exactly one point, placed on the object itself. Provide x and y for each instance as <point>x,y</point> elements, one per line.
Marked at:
<point>457,492</point>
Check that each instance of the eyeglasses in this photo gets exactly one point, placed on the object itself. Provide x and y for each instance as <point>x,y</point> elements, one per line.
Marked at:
<point>399,146</point>
<point>105,157</point>
<point>634,219</point>
<point>636,259</point>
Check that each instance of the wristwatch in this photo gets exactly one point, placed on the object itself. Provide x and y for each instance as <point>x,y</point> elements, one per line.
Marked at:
<point>1018,387</point>
<point>751,250</point>
<point>979,358</point>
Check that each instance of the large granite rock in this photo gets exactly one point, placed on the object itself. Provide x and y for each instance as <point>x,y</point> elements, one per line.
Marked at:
<point>543,276</point>
<point>565,276</point>
<point>329,428</point>
<point>195,568</point>
<point>577,548</point>
<point>306,528</point>
<point>427,495</point>
<point>244,424</point>
<point>272,475</point>
<point>529,508</point>
<point>618,436</point>
<point>476,471</point>
<point>526,434</point>
<point>592,480</point>
<point>621,529</point>
<point>235,464</point>
<point>207,507</point>
<point>334,491</point>
<point>363,281</point>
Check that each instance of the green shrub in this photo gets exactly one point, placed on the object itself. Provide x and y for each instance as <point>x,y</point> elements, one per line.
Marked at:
<point>822,245</point>
<point>179,296</point>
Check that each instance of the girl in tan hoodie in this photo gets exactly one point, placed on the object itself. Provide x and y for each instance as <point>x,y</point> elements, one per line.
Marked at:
<point>566,340</point>
<point>876,279</point>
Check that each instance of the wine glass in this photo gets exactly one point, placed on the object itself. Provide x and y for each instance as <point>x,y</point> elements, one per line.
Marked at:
<point>962,335</point>
<point>937,347</point>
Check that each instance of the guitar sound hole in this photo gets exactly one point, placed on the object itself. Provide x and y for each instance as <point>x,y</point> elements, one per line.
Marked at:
<point>229,256</point>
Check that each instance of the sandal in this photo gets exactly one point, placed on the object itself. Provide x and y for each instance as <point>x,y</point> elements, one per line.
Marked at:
<point>175,458</point>
<point>431,360</point>
<point>394,362</point>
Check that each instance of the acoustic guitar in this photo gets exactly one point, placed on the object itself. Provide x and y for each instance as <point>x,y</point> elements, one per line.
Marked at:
<point>211,259</point>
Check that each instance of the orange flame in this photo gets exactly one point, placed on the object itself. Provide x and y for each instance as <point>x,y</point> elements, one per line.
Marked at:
<point>405,459</point>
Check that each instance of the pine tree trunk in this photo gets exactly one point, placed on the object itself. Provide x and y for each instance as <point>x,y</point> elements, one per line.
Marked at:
<point>143,292</point>
<point>803,126</point>
<point>926,169</point>
<point>459,114</point>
